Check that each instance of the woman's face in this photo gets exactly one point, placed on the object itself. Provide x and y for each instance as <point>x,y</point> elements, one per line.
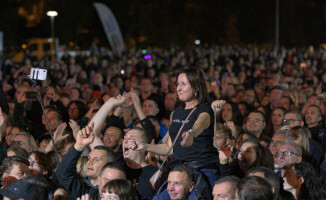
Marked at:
<point>227,112</point>
<point>73,111</point>
<point>109,196</point>
<point>9,133</point>
<point>291,180</point>
<point>277,117</point>
<point>34,167</point>
<point>247,156</point>
<point>297,137</point>
<point>184,89</point>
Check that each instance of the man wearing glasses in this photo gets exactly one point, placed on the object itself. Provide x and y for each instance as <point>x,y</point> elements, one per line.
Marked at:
<point>289,154</point>
<point>256,124</point>
<point>293,118</point>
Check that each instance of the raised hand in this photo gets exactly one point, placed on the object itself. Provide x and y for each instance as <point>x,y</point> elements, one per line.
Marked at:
<point>133,144</point>
<point>217,105</point>
<point>134,96</point>
<point>58,134</point>
<point>85,197</point>
<point>74,126</point>
<point>231,125</point>
<point>52,94</point>
<point>225,153</point>
<point>84,137</point>
<point>187,139</point>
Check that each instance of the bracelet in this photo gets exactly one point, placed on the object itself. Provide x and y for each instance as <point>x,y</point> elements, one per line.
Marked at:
<point>192,133</point>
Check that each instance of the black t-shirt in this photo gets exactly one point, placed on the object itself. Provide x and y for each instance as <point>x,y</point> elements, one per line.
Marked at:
<point>202,149</point>
<point>140,178</point>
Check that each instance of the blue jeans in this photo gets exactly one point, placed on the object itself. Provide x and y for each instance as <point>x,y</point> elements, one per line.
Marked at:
<point>211,174</point>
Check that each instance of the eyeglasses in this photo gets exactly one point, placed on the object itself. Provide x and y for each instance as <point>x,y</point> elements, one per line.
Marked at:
<point>16,143</point>
<point>286,153</point>
<point>254,120</point>
<point>72,109</point>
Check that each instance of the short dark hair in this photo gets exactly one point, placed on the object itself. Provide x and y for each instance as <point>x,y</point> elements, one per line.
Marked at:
<point>259,112</point>
<point>8,164</point>
<point>41,183</point>
<point>113,165</point>
<point>186,169</point>
<point>233,180</point>
<point>20,152</point>
<point>254,188</point>
<point>145,138</point>
<point>110,155</point>
<point>270,176</point>
<point>296,112</point>
<point>122,188</point>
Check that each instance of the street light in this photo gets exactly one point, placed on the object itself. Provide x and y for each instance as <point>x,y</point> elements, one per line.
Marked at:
<point>52,14</point>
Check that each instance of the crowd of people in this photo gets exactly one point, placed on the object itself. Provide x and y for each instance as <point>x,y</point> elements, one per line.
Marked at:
<point>221,122</point>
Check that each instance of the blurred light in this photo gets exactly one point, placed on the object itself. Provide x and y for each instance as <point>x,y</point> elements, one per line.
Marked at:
<point>197,42</point>
<point>147,57</point>
<point>144,51</point>
<point>52,13</point>
<point>24,46</point>
<point>71,44</point>
<point>122,71</point>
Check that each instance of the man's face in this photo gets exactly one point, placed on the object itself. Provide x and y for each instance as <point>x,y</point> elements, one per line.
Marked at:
<point>108,175</point>
<point>179,185</point>
<point>146,85</point>
<point>255,123</point>
<point>96,160</point>
<point>53,121</point>
<point>112,138</point>
<point>312,116</point>
<point>149,108</point>
<point>19,171</point>
<point>249,97</point>
<point>222,191</point>
<point>294,121</point>
<point>275,97</point>
<point>170,101</point>
<point>278,141</point>
<point>129,153</point>
<point>21,141</point>
<point>284,159</point>
<point>73,111</point>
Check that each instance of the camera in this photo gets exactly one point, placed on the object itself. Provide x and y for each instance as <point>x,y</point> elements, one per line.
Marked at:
<point>38,74</point>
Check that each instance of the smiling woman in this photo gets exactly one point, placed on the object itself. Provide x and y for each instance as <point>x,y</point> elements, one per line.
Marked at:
<point>195,144</point>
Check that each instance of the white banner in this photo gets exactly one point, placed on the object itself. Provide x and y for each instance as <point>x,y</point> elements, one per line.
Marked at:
<point>111,28</point>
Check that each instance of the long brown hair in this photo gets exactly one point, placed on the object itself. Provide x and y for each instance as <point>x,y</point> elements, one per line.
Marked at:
<point>198,84</point>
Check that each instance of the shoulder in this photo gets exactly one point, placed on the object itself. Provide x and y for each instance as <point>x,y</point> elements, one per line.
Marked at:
<point>205,107</point>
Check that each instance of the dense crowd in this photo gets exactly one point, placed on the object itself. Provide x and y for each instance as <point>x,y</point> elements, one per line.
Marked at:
<point>251,123</point>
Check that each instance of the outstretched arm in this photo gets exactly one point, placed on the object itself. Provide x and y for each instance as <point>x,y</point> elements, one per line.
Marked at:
<point>101,115</point>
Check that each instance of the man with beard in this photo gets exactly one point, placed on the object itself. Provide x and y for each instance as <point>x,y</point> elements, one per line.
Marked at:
<point>256,124</point>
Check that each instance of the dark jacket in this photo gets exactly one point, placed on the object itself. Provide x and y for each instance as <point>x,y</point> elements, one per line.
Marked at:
<point>69,179</point>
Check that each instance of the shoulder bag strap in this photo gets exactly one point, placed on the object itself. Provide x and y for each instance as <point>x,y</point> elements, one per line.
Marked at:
<point>175,139</point>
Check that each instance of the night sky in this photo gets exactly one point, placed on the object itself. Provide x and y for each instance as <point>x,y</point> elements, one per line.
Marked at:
<point>165,22</point>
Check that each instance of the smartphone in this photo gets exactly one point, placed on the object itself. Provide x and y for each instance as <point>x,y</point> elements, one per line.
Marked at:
<point>31,95</point>
<point>286,122</point>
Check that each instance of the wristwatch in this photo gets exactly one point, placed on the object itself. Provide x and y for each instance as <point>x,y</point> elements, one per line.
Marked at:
<point>192,132</point>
